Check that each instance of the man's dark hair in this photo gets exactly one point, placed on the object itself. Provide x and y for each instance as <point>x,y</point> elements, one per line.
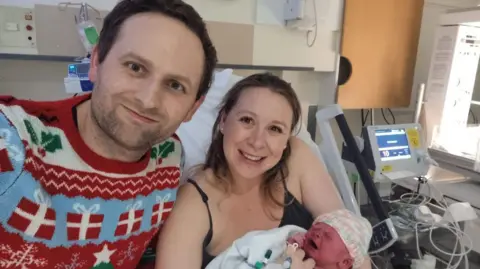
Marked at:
<point>176,9</point>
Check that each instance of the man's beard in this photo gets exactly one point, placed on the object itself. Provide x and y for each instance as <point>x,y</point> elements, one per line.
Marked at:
<point>127,138</point>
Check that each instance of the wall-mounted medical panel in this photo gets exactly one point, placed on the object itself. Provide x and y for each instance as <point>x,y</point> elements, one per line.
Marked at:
<point>57,33</point>
<point>18,30</point>
<point>54,36</point>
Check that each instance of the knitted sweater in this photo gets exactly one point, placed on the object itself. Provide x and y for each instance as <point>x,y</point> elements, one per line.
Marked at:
<point>64,207</point>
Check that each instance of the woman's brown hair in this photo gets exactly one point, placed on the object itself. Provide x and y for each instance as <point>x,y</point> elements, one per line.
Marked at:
<point>216,160</point>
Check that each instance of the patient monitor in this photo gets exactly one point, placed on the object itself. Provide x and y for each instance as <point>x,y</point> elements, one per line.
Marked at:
<point>392,152</point>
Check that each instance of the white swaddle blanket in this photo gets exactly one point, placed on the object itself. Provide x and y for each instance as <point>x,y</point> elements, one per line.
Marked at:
<point>251,248</point>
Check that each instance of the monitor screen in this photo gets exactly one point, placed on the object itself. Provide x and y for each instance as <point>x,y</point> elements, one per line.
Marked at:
<point>392,144</point>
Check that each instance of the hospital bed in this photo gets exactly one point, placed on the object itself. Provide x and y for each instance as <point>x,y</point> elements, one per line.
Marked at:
<point>196,136</point>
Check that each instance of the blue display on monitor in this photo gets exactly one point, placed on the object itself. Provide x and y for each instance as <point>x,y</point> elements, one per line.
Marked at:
<point>392,144</point>
<point>79,70</point>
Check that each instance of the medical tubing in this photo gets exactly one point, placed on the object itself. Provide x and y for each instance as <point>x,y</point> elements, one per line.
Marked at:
<point>361,167</point>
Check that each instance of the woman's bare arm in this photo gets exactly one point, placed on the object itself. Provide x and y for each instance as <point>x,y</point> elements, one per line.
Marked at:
<point>181,238</point>
<point>318,192</point>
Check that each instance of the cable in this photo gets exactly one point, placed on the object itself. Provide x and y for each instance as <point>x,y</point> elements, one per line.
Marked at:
<point>474,117</point>
<point>365,116</point>
<point>391,114</point>
<point>364,119</point>
<point>404,219</point>
<point>457,231</point>
<point>310,44</point>
<point>373,264</point>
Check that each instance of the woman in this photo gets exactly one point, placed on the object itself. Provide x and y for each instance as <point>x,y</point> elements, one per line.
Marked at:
<point>256,177</point>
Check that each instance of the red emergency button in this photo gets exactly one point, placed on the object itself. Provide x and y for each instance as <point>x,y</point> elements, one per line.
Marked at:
<point>29,28</point>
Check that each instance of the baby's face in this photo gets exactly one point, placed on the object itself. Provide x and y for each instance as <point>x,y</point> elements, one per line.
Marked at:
<point>324,245</point>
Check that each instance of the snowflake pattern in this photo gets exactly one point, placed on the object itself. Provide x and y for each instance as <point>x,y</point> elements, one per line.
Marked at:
<point>21,258</point>
<point>128,254</point>
<point>73,264</point>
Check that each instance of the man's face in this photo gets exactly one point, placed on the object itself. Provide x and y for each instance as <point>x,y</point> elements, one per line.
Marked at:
<point>148,83</point>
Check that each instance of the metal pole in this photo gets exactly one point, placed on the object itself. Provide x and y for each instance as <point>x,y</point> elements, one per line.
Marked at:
<point>420,101</point>
<point>372,117</point>
<point>362,168</point>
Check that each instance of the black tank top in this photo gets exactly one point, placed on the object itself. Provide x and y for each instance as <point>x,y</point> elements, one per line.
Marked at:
<point>294,213</point>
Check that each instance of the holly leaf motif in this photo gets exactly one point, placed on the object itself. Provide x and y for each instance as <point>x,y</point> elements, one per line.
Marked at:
<point>51,142</point>
<point>104,265</point>
<point>31,132</point>
<point>154,153</point>
<point>165,149</point>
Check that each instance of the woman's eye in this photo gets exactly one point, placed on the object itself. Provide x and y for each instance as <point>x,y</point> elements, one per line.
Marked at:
<point>277,129</point>
<point>135,67</point>
<point>246,120</point>
<point>175,85</point>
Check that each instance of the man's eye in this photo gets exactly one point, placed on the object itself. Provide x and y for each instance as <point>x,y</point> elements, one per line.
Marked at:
<point>175,85</point>
<point>135,67</point>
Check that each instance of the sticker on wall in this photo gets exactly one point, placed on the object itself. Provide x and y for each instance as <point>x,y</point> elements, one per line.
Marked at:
<point>413,137</point>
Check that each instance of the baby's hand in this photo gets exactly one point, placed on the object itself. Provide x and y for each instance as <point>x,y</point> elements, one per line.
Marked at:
<point>298,238</point>
<point>298,260</point>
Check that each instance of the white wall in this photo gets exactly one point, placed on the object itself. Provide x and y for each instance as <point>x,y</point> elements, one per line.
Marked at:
<point>215,10</point>
<point>431,14</point>
<point>273,45</point>
<point>432,10</point>
<point>44,80</point>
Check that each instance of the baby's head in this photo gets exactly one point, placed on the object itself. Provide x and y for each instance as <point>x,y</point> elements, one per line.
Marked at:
<point>338,240</point>
<point>323,244</point>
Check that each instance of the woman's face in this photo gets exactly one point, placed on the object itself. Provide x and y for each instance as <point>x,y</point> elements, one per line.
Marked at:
<point>256,132</point>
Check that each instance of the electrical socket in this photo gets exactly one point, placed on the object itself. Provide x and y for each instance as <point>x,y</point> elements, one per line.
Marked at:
<point>294,10</point>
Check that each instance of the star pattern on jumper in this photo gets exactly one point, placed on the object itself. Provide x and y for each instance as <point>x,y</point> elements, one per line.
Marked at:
<point>103,257</point>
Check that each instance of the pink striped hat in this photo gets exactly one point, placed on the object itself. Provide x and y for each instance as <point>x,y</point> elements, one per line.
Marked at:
<point>355,231</point>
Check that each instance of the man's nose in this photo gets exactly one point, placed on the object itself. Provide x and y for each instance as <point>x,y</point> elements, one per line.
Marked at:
<point>149,94</point>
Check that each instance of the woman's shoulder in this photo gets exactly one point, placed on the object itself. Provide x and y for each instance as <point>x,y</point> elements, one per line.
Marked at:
<point>204,181</point>
<point>300,153</point>
<point>296,168</point>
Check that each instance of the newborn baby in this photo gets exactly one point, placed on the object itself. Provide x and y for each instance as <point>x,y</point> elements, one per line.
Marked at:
<point>337,240</point>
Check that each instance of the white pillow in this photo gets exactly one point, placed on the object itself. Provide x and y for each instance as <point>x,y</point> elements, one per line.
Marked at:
<point>196,134</point>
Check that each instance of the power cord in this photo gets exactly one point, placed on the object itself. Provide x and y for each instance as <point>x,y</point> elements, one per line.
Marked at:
<point>364,116</point>
<point>474,117</point>
<point>391,114</point>
<point>405,217</point>
<point>310,44</point>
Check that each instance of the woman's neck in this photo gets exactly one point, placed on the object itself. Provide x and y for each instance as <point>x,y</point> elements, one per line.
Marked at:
<point>241,185</point>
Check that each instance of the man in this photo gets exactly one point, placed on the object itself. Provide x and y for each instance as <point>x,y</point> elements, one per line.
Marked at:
<point>88,181</point>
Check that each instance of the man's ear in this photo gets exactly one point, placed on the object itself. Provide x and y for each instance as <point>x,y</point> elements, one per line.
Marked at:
<point>194,108</point>
<point>92,73</point>
<point>346,263</point>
